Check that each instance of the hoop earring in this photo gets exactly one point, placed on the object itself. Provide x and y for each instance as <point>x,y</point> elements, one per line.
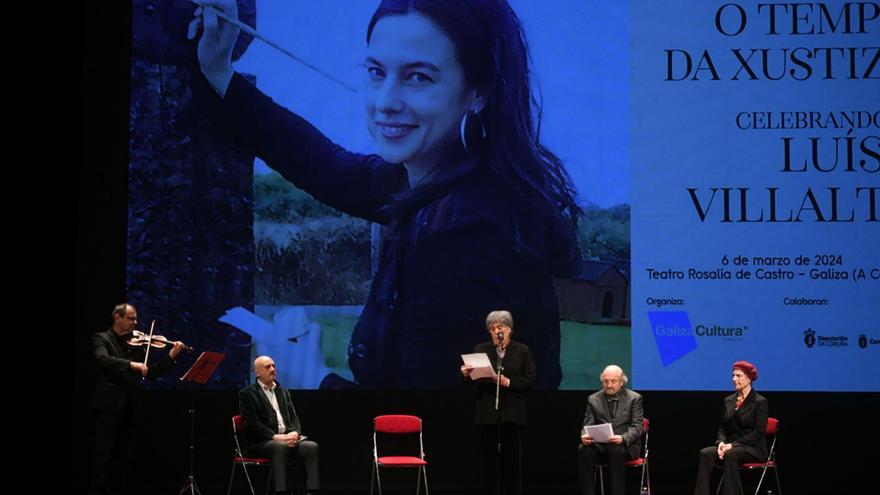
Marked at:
<point>463,129</point>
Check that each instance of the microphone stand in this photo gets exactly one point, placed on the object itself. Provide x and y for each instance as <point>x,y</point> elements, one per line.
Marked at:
<point>498,383</point>
<point>500,368</point>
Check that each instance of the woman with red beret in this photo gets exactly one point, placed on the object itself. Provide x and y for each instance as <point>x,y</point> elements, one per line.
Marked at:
<point>740,434</point>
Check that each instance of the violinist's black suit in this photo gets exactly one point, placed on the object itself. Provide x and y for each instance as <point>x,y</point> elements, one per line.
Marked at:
<point>116,405</point>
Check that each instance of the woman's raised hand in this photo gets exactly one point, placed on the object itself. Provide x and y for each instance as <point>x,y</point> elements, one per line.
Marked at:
<point>217,40</point>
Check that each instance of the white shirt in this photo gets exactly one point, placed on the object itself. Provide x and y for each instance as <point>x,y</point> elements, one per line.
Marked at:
<point>270,394</point>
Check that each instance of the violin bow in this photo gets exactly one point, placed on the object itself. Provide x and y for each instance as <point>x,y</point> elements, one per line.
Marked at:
<point>149,340</point>
<point>253,32</point>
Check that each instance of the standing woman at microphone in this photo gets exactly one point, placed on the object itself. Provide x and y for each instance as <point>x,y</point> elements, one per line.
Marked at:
<point>501,426</point>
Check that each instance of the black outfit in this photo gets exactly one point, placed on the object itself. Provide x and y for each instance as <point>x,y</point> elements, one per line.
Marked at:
<point>744,428</point>
<point>519,367</point>
<point>261,424</point>
<point>452,250</point>
<point>625,413</point>
<point>116,405</point>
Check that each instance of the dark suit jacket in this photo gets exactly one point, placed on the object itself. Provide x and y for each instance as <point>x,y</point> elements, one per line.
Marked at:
<point>260,422</point>
<point>627,420</point>
<point>519,367</point>
<point>117,385</point>
<point>744,427</point>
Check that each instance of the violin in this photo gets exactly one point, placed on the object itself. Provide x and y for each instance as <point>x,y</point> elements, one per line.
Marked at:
<point>139,339</point>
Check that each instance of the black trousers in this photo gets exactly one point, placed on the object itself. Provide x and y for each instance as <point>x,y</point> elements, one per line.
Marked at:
<point>732,459</point>
<point>112,454</point>
<point>608,453</point>
<point>510,458</point>
<point>305,451</point>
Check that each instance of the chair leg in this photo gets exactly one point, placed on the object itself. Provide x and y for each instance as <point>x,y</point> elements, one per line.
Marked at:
<point>600,479</point>
<point>642,481</point>
<point>778,484</point>
<point>231,476</point>
<point>248,478</point>
<point>761,480</point>
<point>425,477</point>
<point>377,477</point>
<point>645,483</point>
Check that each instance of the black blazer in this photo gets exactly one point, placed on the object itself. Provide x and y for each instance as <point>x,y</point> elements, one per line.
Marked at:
<point>627,420</point>
<point>745,427</point>
<point>260,421</point>
<point>117,385</point>
<point>519,367</point>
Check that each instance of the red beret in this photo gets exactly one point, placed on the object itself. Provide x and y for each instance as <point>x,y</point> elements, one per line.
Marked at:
<point>747,368</point>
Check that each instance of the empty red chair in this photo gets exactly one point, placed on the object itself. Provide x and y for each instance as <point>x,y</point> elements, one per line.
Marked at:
<point>399,424</point>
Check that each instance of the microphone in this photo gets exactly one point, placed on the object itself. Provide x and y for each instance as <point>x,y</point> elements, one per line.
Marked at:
<point>500,336</point>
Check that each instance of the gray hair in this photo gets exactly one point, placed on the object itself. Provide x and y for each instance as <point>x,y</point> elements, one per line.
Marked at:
<point>614,367</point>
<point>120,309</point>
<point>496,317</point>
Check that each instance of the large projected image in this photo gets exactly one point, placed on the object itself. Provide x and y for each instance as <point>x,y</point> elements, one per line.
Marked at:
<point>348,268</point>
<point>359,226</point>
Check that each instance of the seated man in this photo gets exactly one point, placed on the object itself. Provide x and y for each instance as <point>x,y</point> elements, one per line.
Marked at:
<point>623,409</point>
<point>271,426</point>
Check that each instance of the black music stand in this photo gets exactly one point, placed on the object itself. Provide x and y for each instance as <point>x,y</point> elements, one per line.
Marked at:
<point>198,373</point>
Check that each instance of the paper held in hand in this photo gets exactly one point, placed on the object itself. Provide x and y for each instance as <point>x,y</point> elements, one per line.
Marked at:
<point>599,433</point>
<point>482,365</point>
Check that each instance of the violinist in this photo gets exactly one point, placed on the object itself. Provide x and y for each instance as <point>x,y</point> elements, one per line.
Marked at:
<point>116,400</point>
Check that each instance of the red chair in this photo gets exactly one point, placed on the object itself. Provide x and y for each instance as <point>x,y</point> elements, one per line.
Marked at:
<point>771,431</point>
<point>398,424</point>
<point>239,459</point>
<point>638,463</point>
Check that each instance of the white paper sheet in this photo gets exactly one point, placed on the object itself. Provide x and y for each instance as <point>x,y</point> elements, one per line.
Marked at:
<point>482,365</point>
<point>599,433</point>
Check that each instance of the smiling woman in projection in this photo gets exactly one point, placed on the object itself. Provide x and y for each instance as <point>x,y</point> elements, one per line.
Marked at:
<point>476,213</point>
